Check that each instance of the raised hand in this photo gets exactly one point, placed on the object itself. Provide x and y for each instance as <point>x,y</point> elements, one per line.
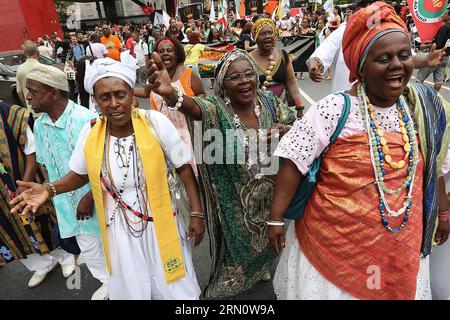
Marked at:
<point>32,198</point>
<point>158,78</point>
<point>435,57</point>
<point>315,70</point>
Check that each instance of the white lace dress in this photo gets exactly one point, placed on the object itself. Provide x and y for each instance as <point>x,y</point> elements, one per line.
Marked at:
<point>295,277</point>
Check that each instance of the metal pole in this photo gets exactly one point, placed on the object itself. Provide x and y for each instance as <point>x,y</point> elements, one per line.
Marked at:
<point>99,10</point>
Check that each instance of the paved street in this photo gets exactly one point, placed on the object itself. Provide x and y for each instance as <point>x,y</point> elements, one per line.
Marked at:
<point>14,277</point>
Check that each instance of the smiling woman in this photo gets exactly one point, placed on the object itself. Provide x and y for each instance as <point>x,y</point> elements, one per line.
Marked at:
<point>147,248</point>
<point>237,193</point>
<point>275,69</point>
<point>357,235</point>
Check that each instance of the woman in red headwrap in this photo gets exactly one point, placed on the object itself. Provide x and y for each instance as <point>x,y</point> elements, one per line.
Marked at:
<point>379,195</point>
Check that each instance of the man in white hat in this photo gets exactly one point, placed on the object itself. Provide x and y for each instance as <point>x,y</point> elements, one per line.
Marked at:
<point>56,134</point>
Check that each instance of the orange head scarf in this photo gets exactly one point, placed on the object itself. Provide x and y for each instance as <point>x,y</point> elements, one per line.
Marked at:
<point>363,28</point>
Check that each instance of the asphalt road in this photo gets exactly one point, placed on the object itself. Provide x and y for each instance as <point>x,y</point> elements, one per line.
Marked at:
<point>14,277</point>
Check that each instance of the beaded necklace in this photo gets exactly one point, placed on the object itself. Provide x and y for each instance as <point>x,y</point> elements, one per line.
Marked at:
<point>55,154</point>
<point>269,71</point>
<point>378,156</point>
<point>239,126</point>
<point>116,193</point>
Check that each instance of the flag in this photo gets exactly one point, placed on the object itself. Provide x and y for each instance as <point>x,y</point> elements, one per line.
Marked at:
<point>147,9</point>
<point>166,19</point>
<point>296,11</point>
<point>222,9</point>
<point>237,4</point>
<point>282,9</point>
<point>427,15</point>
<point>242,9</point>
<point>212,15</point>
<point>328,7</point>
<point>159,19</point>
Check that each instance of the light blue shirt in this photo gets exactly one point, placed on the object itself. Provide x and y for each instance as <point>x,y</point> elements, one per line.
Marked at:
<point>55,142</point>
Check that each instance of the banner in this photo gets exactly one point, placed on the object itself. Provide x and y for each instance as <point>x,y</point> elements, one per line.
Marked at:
<point>427,16</point>
<point>208,60</point>
<point>191,12</point>
<point>253,7</point>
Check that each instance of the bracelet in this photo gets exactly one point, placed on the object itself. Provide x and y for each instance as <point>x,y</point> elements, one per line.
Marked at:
<point>444,215</point>
<point>318,60</point>
<point>197,214</point>
<point>179,101</point>
<point>52,188</point>
<point>275,223</point>
<point>299,108</point>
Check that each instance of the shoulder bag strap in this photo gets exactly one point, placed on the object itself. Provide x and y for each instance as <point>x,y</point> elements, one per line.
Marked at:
<point>341,122</point>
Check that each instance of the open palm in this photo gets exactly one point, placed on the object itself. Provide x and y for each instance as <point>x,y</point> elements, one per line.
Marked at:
<point>31,199</point>
<point>158,77</point>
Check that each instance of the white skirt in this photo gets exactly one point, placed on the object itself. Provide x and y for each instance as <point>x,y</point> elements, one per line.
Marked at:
<point>296,279</point>
<point>137,270</point>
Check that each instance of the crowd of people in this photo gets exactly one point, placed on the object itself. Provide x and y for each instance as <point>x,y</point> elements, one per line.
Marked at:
<point>126,189</point>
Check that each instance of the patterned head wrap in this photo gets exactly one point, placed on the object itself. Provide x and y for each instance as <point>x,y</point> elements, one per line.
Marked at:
<point>222,68</point>
<point>363,29</point>
<point>260,24</point>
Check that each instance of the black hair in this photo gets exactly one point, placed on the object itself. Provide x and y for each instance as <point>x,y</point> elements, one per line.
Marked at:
<point>339,11</point>
<point>179,50</point>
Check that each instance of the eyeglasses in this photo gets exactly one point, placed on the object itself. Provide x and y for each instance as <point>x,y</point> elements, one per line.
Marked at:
<point>249,75</point>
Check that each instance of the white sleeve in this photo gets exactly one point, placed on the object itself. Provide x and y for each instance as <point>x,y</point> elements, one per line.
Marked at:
<point>77,162</point>
<point>177,152</point>
<point>310,135</point>
<point>105,50</point>
<point>30,146</point>
<point>329,48</point>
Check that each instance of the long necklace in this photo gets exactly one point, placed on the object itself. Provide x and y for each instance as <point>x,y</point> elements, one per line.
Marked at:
<point>239,126</point>
<point>116,193</point>
<point>269,71</point>
<point>378,156</point>
<point>54,152</point>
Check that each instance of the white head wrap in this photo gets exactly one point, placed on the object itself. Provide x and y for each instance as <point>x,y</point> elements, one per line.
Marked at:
<point>50,76</point>
<point>107,67</point>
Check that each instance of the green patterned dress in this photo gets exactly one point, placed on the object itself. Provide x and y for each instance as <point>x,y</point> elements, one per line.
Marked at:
<point>237,202</point>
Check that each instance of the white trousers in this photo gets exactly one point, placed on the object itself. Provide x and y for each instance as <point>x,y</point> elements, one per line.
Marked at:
<point>92,251</point>
<point>41,264</point>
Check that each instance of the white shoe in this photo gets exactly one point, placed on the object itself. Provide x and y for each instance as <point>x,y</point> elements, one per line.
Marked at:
<point>102,293</point>
<point>80,260</point>
<point>68,270</point>
<point>266,277</point>
<point>36,280</point>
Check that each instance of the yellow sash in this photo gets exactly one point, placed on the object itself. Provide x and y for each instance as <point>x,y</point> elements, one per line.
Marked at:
<point>158,194</point>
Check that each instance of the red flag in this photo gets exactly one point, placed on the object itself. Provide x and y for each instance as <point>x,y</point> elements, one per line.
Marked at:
<point>148,10</point>
<point>427,15</point>
<point>296,11</point>
<point>116,28</point>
